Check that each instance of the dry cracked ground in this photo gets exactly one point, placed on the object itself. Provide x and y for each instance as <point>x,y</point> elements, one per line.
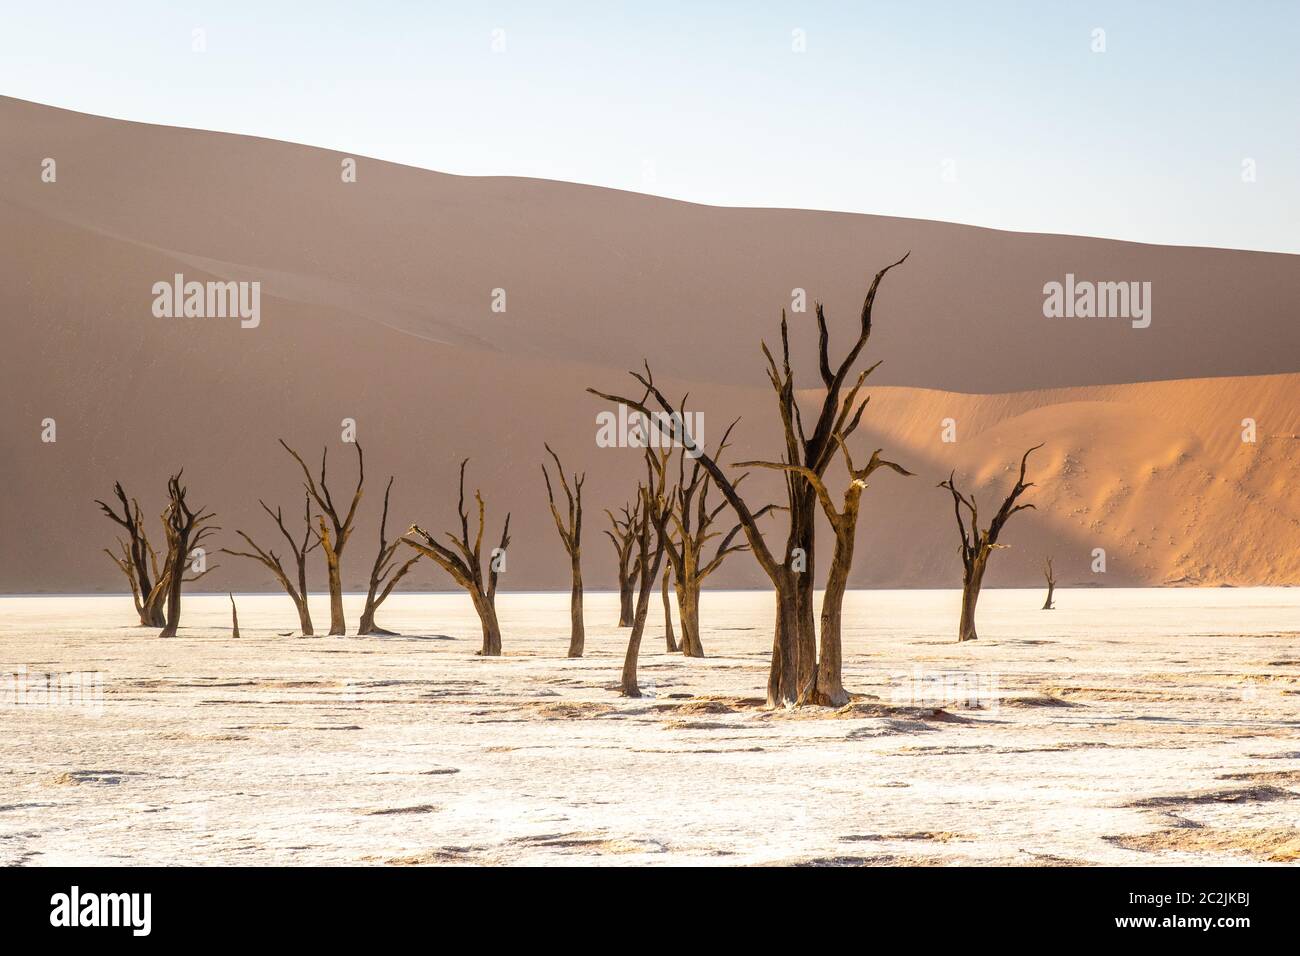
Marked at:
<point>1126,727</point>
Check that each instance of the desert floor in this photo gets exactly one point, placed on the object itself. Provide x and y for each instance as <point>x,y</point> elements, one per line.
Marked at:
<point>1127,726</point>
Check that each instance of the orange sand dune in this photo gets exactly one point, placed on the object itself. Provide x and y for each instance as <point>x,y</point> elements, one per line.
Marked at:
<point>376,306</point>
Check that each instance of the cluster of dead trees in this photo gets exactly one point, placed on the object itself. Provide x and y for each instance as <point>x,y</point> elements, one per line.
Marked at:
<point>683,521</point>
<point>806,660</point>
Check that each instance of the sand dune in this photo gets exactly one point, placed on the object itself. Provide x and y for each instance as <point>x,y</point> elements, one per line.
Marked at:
<point>375,307</point>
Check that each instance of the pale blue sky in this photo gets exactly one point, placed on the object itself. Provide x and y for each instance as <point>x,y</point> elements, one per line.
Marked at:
<point>706,101</point>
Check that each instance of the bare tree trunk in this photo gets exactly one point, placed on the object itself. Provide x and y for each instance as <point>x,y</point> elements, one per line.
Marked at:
<point>688,612</point>
<point>803,523</point>
<point>782,678</point>
<point>625,612</point>
<point>1051,584</point>
<point>338,624</point>
<point>972,580</point>
<point>628,679</point>
<point>234,618</point>
<point>577,630</point>
<point>830,687</point>
<point>487,612</point>
<point>669,637</point>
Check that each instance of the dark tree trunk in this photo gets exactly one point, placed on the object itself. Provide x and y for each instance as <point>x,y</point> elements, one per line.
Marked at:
<point>338,625</point>
<point>625,613</point>
<point>782,678</point>
<point>830,687</point>
<point>174,584</point>
<point>970,595</point>
<point>669,637</point>
<point>688,613</point>
<point>487,613</point>
<point>578,630</point>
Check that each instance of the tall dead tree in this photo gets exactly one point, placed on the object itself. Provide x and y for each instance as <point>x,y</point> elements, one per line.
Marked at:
<point>828,689</point>
<point>977,544</point>
<point>1051,583</point>
<point>651,531</point>
<point>794,644</point>
<point>384,573</point>
<point>137,559</point>
<point>622,533</point>
<point>295,587</point>
<point>334,537</point>
<point>186,528</point>
<point>465,564</point>
<point>570,529</point>
<point>693,518</point>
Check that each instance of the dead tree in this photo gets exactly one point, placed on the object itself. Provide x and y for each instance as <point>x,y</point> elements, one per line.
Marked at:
<point>333,538</point>
<point>829,687</point>
<point>622,534</point>
<point>570,529</point>
<point>669,637</point>
<point>234,617</point>
<point>186,528</point>
<point>977,544</point>
<point>295,587</point>
<point>465,564</point>
<point>1051,583</point>
<point>138,560</point>
<point>693,518</point>
<point>651,531</point>
<point>794,643</point>
<point>384,573</point>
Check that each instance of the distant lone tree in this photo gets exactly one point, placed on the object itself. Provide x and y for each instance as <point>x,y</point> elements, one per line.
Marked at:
<point>334,537</point>
<point>622,532</point>
<point>137,559</point>
<point>978,544</point>
<point>384,573</point>
<point>569,527</point>
<point>234,617</point>
<point>295,586</point>
<point>1051,584</point>
<point>828,689</point>
<point>186,528</point>
<point>465,564</point>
